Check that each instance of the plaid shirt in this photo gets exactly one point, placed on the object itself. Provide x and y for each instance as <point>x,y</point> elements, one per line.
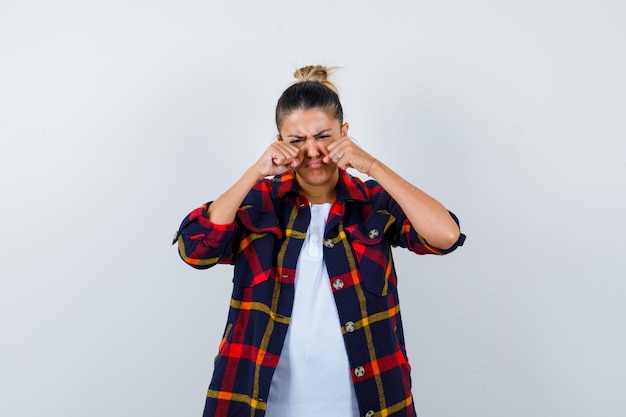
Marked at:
<point>263,244</point>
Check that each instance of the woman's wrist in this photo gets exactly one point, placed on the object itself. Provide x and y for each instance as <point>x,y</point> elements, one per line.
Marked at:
<point>369,168</point>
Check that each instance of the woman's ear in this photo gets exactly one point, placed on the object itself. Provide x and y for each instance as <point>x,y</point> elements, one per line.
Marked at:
<point>344,130</point>
<point>279,138</point>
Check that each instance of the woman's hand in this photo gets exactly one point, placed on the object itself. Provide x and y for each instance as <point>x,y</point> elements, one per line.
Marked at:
<point>347,154</point>
<point>278,158</point>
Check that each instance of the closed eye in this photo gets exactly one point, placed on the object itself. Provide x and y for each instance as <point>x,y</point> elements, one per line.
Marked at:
<point>297,142</point>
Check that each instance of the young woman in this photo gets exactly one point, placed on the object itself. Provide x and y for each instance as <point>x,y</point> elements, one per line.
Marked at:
<point>314,325</point>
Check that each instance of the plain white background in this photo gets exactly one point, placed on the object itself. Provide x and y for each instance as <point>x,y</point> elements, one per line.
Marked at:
<point>119,117</point>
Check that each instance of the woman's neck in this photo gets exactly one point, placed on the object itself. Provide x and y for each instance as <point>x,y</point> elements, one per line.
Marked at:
<point>319,194</point>
<point>324,192</point>
<point>316,200</point>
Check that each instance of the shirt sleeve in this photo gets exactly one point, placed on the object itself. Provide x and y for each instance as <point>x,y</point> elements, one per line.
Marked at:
<point>202,243</point>
<point>407,236</point>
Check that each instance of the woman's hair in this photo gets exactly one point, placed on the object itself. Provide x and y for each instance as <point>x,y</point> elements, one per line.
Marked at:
<point>313,89</point>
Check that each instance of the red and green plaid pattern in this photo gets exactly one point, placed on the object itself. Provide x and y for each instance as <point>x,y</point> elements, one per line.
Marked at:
<point>263,244</point>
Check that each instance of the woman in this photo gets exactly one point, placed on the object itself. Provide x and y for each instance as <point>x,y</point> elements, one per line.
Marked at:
<point>314,325</point>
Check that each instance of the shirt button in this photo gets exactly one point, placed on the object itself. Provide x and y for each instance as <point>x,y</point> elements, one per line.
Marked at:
<point>370,413</point>
<point>373,234</point>
<point>349,326</point>
<point>329,243</point>
<point>337,284</point>
<point>359,371</point>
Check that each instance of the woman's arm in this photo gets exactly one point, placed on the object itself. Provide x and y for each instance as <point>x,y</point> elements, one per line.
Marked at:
<point>276,159</point>
<point>428,216</point>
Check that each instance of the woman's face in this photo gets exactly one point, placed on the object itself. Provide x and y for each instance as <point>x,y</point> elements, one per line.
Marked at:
<point>311,131</point>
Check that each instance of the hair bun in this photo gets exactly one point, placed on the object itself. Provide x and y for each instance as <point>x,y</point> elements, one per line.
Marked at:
<point>316,74</point>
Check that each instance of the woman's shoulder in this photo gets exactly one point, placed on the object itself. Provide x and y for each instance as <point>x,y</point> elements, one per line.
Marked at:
<point>267,191</point>
<point>261,191</point>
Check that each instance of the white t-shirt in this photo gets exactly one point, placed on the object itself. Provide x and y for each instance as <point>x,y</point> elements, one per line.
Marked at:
<point>313,376</point>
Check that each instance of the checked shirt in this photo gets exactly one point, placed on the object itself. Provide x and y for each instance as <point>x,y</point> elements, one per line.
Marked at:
<point>263,244</point>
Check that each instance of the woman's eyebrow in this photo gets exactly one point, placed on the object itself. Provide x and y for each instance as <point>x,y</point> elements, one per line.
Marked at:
<point>316,135</point>
<point>320,133</point>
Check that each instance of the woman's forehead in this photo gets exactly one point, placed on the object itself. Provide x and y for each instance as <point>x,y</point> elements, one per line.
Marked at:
<point>308,122</point>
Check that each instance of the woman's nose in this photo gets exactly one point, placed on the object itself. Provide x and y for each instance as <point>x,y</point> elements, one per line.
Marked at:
<point>312,148</point>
